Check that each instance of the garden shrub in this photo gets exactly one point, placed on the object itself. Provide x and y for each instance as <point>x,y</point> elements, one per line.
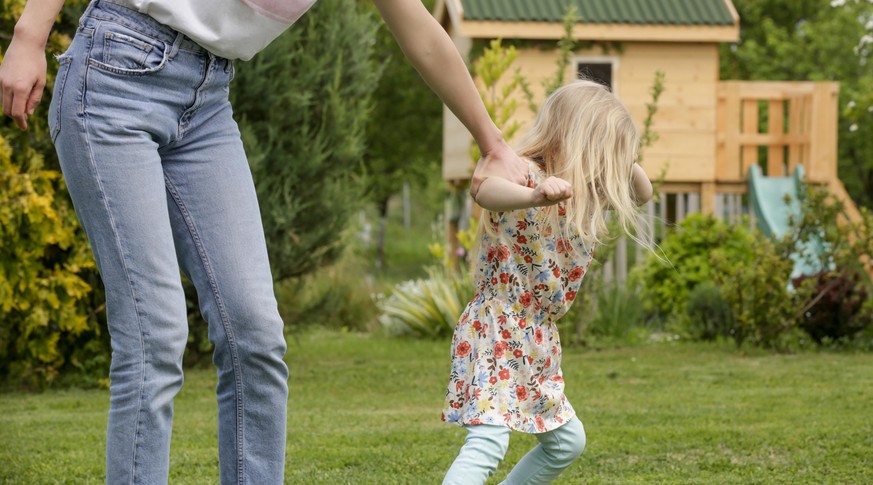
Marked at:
<point>863,340</point>
<point>840,243</point>
<point>835,304</point>
<point>617,310</point>
<point>665,288</point>
<point>757,291</point>
<point>428,307</point>
<point>708,316</point>
<point>338,297</point>
<point>750,272</point>
<point>836,309</point>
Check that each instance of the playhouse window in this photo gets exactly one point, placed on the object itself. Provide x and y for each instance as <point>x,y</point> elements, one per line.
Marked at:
<point>600,72</point>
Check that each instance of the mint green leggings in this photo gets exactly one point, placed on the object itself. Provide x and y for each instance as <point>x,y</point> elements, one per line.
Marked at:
<point>486,445</point>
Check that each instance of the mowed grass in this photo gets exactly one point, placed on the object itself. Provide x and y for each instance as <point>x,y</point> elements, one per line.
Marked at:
<point>365,409</point>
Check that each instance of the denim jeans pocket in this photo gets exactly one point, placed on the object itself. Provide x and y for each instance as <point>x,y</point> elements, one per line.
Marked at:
<point>54,118</point>
<point>122,50</point>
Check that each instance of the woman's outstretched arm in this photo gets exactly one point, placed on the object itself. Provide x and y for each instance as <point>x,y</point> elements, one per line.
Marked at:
<point>22,73</point>
<point>434,56</point>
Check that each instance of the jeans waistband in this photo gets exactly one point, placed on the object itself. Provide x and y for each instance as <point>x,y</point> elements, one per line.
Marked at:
<point>129,17</point>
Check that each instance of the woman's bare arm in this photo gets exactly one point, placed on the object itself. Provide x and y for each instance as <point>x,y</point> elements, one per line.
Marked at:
<point>434,56</point>
<point>22,73</point>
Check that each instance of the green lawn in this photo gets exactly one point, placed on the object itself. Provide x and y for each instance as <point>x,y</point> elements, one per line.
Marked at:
<point>365,409</point>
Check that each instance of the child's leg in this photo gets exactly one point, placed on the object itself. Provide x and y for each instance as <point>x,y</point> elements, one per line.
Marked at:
<point>557,450</point>
<point>483,450</point>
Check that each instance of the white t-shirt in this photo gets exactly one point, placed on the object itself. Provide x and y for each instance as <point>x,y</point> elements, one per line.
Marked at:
<point>235,29</point>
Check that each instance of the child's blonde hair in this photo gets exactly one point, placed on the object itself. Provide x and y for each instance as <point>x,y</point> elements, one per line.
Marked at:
<point>585,135</point>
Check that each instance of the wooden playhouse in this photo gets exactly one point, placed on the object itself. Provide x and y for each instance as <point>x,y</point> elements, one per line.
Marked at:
<point>710,131</point>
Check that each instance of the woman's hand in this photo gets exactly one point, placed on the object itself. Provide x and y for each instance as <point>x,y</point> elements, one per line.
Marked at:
<point>22,73</point>
<point>22,79</point>
<point>501,162</point>
<point>551,191</point>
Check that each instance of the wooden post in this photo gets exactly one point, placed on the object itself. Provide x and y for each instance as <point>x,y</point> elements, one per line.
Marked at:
<point>728,160</point>
<point>452,211</point>
<point>750,126</point>
<point>662,215</point>
<point>621,260</point>
<point>823,143</point>
<point>707,197</point>
<point>806,114</point>
<point>607,270</point>
<point>728,208</point>
<point>650,212</point>
<point>776,151</point>
<point>648,235</point>
<point>693,202</point>
<point>794,131</point>
<point>680,207</point>
<point>737,203</point>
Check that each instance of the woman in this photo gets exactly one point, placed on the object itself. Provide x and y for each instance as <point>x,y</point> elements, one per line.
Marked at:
<point>156,170</point>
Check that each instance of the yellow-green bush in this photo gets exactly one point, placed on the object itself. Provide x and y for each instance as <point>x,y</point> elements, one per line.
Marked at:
<point>48,317</point>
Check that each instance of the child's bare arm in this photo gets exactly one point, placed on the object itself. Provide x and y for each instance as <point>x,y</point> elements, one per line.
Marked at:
<point>498,194</point>
<point>642,187</point>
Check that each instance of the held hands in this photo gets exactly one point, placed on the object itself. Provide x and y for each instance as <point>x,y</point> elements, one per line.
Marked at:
<point>501,162</point>
<point>552,191</point>
<point>22,79</point>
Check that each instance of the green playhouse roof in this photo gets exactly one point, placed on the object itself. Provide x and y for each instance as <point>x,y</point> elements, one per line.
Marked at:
<point>665,12</point>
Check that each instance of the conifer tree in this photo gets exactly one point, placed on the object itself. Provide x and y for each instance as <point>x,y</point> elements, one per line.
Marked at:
<point>302,105</point>
<point>404,143</point>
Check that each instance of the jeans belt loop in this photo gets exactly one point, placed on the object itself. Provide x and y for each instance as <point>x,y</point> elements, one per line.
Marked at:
<point>176,43</point>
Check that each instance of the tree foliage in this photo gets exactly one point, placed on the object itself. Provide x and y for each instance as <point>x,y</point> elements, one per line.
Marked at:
<point>403,133</point>
<point>498,92</point>
<point>302,105</point>
<point>816,40</point>
<point>404,126</point>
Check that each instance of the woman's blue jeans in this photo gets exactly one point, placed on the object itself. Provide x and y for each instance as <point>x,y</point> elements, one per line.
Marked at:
<point>155,166</point>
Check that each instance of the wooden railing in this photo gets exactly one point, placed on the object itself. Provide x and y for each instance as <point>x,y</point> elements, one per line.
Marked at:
<point>778,125</point>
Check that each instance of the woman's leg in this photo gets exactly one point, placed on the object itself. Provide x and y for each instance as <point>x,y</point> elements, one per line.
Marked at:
<point>557,450</point>
<point>114,175</point>
<point>482,451</point>
<point>220,241</point>
<point>155,168</point>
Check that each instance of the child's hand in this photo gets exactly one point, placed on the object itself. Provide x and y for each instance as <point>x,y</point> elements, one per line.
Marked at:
<point>551,191</point>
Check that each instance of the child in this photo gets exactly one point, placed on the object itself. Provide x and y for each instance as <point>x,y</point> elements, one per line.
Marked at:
<point>506,354</point>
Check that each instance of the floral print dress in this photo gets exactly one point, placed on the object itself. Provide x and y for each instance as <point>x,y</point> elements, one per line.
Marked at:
<point>506,352</point>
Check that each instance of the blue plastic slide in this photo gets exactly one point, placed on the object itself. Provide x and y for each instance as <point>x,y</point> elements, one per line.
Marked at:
<point>768,200</point>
